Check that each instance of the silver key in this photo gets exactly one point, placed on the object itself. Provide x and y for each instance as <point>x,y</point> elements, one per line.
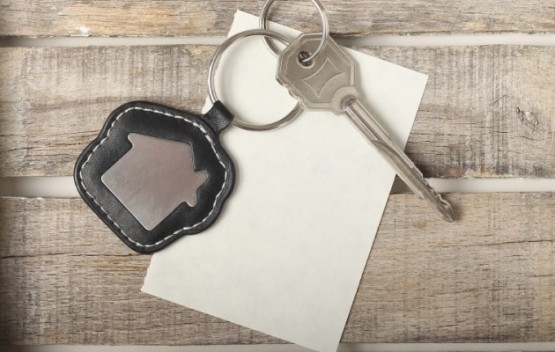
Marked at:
<point>328,82</point>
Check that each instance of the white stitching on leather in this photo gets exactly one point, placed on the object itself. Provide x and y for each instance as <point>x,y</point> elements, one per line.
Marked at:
<point>169,237</point>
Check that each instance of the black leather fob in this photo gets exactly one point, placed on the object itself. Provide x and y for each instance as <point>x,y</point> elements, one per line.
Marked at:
<point>155,174</point>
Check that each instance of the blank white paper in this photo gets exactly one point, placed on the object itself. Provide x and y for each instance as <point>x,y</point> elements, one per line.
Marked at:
<point>287,253</point>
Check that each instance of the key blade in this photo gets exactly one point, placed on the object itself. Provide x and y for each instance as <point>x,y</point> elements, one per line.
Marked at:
<point>325,81</point>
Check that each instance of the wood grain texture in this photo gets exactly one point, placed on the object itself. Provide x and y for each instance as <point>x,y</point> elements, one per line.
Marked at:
<point>490,277</point>
<point>487,111</point>
<point>65,279</point>
<point>203,17</point>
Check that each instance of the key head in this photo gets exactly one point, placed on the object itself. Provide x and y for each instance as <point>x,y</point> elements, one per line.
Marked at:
<point>324,83</point>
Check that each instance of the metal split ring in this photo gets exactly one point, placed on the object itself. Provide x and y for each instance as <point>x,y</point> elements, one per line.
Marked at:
<point>325,29</point>
<point>212,72</point>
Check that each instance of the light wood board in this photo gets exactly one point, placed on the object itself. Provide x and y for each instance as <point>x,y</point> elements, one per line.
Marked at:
<point>490,277</point>
<point>487,111</point>
<point>202,17</point>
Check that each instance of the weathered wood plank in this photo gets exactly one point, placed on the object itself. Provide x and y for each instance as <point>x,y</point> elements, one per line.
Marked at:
<point>203,17</point>
<point>64,279</point>
<point>487,112</point>
<point>490,277</point>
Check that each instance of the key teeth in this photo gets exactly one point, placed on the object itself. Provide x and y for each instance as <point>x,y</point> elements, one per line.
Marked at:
<point>450,214</point>
<point>446,209</point>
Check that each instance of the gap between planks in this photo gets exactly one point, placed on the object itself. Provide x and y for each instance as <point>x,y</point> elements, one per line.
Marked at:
<point>537,39</point>
<point>64,187</point>
<point>344,347</point>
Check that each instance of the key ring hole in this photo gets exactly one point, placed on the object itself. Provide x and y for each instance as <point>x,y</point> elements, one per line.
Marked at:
<point>303,56</point>
<point>325,28</point>
<point>214,63</point>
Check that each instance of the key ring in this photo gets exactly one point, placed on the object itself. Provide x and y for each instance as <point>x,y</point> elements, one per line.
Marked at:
<point>325,29</point>
<point>212,72</point>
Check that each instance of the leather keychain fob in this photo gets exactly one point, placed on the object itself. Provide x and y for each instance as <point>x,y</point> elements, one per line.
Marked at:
<point>155,174</point>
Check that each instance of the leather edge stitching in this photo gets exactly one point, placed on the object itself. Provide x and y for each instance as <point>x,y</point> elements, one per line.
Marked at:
<point>175,233</point>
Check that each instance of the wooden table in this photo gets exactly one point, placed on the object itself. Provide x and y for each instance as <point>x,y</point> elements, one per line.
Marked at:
<point>488,112</point>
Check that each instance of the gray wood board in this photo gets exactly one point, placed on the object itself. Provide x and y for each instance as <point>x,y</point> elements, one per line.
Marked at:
<point>33,18</point>
<point>487,111</point>
<point>489,277</point>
